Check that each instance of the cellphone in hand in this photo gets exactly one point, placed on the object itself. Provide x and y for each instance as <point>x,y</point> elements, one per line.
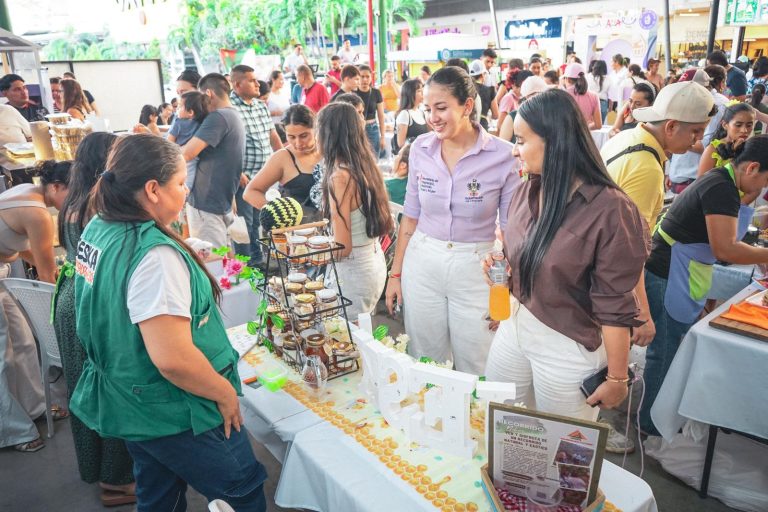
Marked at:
<point>591,383</point>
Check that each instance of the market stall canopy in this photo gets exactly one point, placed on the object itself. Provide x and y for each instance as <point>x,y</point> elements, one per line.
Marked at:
<point>10,42</point>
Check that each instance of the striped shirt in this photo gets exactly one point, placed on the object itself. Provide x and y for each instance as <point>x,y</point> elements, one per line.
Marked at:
<point>258,125</point>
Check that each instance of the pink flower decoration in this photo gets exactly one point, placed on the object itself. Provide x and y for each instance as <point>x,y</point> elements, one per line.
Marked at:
<point>225,284</point>
<point>234,267</point>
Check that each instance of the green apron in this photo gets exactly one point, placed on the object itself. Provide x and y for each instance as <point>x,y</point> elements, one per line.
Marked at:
<point>121,393</point>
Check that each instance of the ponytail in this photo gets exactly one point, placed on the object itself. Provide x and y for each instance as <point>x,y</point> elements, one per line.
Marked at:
<point>580,85</point>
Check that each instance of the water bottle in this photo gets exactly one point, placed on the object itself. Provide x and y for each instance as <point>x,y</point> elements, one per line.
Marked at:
<point>498,301</point>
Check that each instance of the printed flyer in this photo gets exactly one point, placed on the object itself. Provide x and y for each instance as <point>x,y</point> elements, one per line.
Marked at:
<point>549,460</point>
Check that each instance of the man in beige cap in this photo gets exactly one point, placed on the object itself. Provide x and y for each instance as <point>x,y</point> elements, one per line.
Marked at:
<point>635,160</point>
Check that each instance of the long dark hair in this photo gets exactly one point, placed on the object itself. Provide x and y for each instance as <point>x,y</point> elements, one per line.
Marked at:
<point>580,85</point>
<point>600,71</point>
<point>458,83</point>
<point>73,97</point>
<point>408,94</point>
<point>728,115</point>
<point>90,161</point>
<point>569,154</point>
<point>146,112</point>
<point>132,162</point>
<point>343,142</point>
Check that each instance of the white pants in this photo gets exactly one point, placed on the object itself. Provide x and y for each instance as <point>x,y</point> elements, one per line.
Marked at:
<point>210,227</point>
<point>362,276</point>
<point>445,300</point>
<point>546,366</point>
<point>21,387</point>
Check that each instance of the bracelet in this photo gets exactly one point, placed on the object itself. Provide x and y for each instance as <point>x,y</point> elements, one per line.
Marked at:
<point>611,378</point>
<point>394,276</point>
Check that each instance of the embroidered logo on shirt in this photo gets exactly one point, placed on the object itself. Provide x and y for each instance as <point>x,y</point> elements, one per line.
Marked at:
<point>473,194</point>
<point>87,260</point>
<point>203,321</point>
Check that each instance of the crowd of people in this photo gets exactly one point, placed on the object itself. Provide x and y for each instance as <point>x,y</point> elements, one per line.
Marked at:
<point>480,157</point>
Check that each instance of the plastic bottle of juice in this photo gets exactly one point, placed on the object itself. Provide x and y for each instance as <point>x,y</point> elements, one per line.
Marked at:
<point>498,302</point>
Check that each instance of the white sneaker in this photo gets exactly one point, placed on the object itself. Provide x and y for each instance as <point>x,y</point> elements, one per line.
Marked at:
<point>618,443</point>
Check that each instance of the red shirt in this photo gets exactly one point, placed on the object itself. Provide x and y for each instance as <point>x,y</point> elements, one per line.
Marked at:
<point>337,75</point>
<point>316,97</point>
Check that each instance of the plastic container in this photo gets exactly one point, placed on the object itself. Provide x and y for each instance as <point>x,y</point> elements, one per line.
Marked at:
<point>274,377</point>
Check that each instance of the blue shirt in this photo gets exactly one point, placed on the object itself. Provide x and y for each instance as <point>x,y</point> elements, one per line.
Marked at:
<point>183,130</point>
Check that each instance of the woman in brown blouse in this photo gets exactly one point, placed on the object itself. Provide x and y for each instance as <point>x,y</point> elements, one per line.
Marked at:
<point>576,245</point>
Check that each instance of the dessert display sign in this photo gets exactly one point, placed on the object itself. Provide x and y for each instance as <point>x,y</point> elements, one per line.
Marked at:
<point>550,460</point>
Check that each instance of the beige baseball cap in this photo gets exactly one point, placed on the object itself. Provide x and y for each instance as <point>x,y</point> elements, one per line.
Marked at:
<point>688,102</point>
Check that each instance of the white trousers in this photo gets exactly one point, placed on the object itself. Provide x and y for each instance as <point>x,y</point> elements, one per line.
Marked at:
<point>546,366</point>
<point>445,300</point>
<point>362,276</point>
<point>21,387</point>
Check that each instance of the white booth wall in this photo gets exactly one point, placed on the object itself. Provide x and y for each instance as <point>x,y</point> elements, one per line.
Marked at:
<point>120,87</point>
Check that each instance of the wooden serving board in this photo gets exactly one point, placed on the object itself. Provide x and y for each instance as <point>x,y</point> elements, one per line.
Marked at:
<point>750,331</point>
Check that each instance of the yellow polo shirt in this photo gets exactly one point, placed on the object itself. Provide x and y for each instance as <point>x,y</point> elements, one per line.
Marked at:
<point>638,174</point>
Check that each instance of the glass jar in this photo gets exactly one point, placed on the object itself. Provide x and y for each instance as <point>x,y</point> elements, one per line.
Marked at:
<point>343,355</point>
<point>281,244</point>
<point>327,299</point>
<point>315,375</point>
<point>314,286</point>
<point>319,243</point>
<point>297,249</point>
<point>304,232</point>
<point>316,346</point>
<point>277,341</point>
<point>291,347</point>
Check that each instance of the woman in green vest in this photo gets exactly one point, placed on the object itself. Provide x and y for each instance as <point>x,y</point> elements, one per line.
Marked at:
<point>160,373</point>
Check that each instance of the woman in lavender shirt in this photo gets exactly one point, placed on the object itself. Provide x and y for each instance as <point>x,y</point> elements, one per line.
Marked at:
<point>460,181</point>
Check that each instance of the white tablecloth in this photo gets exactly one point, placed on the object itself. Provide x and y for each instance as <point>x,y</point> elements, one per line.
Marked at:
<point>238,304</point>
<point>324,469</point>
<point>716,378</point>
<point>338,474</point>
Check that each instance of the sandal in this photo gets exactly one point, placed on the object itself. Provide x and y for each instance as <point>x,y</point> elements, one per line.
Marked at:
<point>30,446</point>
<point>59,413</point>
<point>114,498</point>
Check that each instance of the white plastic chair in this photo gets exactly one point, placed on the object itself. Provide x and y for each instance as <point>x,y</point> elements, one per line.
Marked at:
<point>220,506</point>
<point>34,300</point>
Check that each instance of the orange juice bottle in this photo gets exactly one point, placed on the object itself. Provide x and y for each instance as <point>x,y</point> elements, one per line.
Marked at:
<point>498,301</point>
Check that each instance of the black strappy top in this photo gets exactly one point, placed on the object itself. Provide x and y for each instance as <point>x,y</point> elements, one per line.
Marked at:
<point>299,188</point>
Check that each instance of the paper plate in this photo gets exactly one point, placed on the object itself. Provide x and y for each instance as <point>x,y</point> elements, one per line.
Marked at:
<point>20,148</point>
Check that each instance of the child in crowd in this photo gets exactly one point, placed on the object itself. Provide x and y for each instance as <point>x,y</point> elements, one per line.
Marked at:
<point>193,108</point>
<point>396,185</point>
